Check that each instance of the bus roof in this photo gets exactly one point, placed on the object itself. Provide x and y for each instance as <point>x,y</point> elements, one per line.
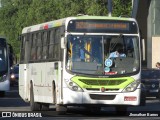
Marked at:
<point>60,22</point>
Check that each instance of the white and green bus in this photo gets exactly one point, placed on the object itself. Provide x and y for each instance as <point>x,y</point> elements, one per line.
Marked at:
<point>67,62</point>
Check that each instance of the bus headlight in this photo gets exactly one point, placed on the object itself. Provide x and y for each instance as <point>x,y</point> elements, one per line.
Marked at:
<point>132,87</point>
<point>73,86</point>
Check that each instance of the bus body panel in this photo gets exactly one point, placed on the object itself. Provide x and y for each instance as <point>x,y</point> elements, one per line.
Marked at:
<point>42,77</point>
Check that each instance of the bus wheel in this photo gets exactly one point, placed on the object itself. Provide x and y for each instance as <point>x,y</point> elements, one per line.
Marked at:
<point>44,106</point>
<point>121,110</point>
<point>61,109</point>
<point>33,105</point>
<point>2,93</point>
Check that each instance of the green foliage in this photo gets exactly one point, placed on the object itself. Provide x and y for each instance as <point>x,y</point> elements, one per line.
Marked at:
<point>17,14</point>
<point>122,8</point>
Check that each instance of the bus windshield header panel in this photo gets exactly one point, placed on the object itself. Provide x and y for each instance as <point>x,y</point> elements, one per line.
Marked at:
<point>102,26</point>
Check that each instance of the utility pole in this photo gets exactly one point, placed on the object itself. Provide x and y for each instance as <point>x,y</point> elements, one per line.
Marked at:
<point>109,8</point>
<point>134,8</point>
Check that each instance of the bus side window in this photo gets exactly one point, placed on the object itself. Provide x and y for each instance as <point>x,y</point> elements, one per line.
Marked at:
<point>56,50</point>
<point>45,42</point>
<point>33,48</point>
<point>39,46</point>
<point>51,43</point>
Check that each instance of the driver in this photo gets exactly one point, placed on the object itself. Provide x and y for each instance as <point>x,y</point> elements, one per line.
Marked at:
<point>119,52</point>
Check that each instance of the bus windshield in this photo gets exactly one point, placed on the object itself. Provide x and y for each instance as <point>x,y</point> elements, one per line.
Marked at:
<point>102,55</point>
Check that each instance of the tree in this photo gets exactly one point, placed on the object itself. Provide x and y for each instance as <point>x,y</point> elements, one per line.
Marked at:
<point>17,14</point>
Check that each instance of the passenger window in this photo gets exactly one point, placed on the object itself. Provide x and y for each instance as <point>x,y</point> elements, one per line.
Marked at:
<point>33,47</point>
<point>45,45</point>
<point>51,43</point>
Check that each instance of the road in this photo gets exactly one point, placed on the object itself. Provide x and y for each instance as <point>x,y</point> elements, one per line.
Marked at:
<point>13,104</point>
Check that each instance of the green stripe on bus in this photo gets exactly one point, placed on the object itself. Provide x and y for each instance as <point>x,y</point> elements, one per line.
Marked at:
<point>118,83</point>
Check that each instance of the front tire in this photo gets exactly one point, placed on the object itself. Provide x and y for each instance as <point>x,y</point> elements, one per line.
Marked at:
<point>44,106</point>
<point>61,109</point>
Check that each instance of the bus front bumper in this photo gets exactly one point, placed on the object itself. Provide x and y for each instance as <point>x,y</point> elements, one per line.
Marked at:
<point>104,98</point>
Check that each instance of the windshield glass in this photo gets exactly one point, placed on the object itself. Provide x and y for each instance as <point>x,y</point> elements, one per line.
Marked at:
<point>3,62</point>
<point>102,55</point>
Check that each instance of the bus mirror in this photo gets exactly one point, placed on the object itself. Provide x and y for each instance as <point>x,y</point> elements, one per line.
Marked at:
<point>143,49</point>
<point>63,43</point>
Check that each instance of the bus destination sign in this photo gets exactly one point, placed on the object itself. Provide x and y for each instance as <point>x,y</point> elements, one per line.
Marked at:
<point>111,26</point>
<point>102,26</point>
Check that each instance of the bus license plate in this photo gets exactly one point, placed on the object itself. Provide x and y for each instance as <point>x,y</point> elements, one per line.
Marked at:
<point>130,98</point>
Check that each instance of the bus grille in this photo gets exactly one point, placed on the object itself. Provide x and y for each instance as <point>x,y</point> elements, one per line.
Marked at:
<point>102,97</point>
<point>98,89</point>
<point>102,82</point>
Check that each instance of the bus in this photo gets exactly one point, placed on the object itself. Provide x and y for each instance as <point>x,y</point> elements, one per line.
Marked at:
<point>5,63</point>
<point>66,62</point>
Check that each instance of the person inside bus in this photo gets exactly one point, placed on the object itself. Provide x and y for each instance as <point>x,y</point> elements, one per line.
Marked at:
<point>82,51</point>
<point>77,51</point>
<point>119,52</point>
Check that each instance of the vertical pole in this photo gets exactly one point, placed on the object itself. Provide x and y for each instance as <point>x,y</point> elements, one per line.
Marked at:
<point>134,8</point>
<point>109,8</point>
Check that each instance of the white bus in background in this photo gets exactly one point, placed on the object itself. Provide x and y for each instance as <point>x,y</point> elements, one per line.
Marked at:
<point>6,61</point>
<point>66,62</point>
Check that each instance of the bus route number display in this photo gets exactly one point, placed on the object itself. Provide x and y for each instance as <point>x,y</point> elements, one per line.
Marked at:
<point>102,26</point>
<point>111,26</point>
